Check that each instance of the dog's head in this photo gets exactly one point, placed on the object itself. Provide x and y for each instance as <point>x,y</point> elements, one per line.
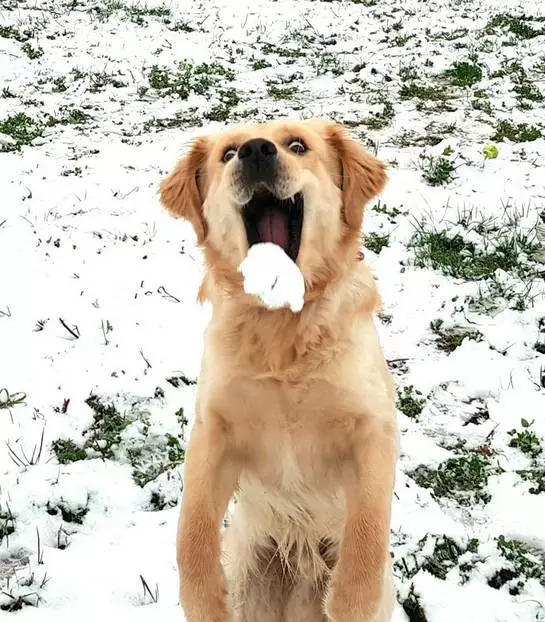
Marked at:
<point>301,185</point>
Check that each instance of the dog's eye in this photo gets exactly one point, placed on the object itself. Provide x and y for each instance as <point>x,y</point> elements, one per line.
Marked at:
<point>229,154</point>
<point>297,146</point>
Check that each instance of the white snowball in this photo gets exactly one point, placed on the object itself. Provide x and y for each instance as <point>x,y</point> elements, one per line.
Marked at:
<point>273,277</point>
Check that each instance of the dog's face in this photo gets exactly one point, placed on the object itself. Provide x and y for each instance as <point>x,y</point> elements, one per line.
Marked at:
<point>301,185</point>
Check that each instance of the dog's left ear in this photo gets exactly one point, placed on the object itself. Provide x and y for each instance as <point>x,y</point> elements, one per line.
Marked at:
<point>362,175</point>
<point>180,192</point>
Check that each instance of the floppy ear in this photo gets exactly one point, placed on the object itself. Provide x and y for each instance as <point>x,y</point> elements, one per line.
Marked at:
<point>362,175</point>
<point>180,192</point>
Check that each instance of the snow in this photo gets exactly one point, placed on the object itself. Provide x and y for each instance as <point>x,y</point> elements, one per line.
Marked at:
<point>273,277</point>
<point>98,284</point>
<point>442,602</point>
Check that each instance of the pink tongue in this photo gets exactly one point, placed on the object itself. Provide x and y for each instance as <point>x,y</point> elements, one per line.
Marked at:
<point>273,227</point>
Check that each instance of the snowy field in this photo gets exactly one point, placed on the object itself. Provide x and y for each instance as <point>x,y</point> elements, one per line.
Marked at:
<point>100,334</point>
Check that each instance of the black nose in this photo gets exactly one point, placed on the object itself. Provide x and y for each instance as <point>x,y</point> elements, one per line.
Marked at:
<point>258,159</point>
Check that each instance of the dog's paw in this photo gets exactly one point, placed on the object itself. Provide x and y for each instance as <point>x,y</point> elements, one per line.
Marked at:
<point>273,277</point>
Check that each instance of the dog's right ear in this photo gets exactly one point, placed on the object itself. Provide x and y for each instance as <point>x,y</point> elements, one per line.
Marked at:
<point>180,192</point>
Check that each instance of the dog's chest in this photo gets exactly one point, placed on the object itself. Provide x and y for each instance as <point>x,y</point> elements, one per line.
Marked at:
<point>286,434</point>
<point>292,486</point>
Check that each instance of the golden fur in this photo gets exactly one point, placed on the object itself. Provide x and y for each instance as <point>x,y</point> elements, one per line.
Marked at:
<point>295,412</point>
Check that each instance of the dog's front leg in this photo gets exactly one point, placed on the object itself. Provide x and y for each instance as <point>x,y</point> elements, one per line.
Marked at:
<point>209,482</point>
<point>360,588</point>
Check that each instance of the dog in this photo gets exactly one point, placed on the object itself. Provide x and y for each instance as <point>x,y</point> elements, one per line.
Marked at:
<point>295,412</point>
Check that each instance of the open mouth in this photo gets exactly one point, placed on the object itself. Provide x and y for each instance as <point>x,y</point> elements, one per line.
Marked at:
<point>279,221</point>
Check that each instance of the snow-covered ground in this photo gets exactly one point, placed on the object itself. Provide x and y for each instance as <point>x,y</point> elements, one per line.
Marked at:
<point>100,334</point>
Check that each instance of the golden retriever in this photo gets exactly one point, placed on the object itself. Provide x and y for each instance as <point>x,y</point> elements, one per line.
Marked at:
<point>295,414</point>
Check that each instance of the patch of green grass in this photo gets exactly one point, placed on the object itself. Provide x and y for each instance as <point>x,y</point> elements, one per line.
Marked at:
<point>32,52</point>
<point>506,246</point>
<point>22,128</point>
<point>527,441</point>
<point>518,295</point>
<point>100,80</point>
<point>444,558</point>
<point>158,501</point>
<point>221,112</point>
<point>408,138</point>
<point>501,577</point>
<point>408,72</point>
<point>180,416</point>
<point>69,515</point>
<point>150,452</point>
<point>513,69</point>
<point>68,116</point>
<point>135,12</point>
<point>410,402</point>
<point>391,212</point>
<point>188,78</point>
<point>464,478</point>
<point>77,74</point>
<point>59,84</point>
<point>9,400</point>
<point>9,32</point>
<point>412,607</point>
<point>440,251</point>
<point>327,63</point>
<point>7,523</point>
<point>281,92</point>
<point>176,454</point>
<point>160,79</point>
<point>539,67</point>
<point>214,69</point>
<point>526,562</point>
<point>479,416</point>
<point>450,35</point>
<point>73,116</point>
<point>482,104</point>
<point>376,242</point>
<point>516,25</point>
<point>167,454</point>
<point>465,73</point>
<point>282,51</point>
<point>76,171</point>
<point>401,40</point>
<point>104,434</point>
<point>106,9</point>
<point>527,92</point>
<point>178,120</point>
<point>181,26</point>
<point>68,451</point>
<point>419,91</point>
<point>437,171</point>
<point>448,339</point>
<point>536,476</point>
<point>481,101</point>
<point>260,63</point>
<point>516,132</point>
<point>380,120</point>
<point>180,380</point>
